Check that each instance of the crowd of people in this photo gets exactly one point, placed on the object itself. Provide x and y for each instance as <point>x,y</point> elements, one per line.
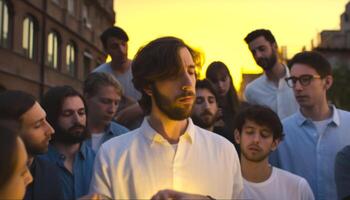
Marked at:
<point>148,129</point>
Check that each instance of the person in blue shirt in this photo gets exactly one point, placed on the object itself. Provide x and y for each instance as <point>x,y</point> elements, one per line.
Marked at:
<point>36,133</point>
<point>342,173</point>
<point>103,94</point>
<point>66,111</point>
<point>315,133</point>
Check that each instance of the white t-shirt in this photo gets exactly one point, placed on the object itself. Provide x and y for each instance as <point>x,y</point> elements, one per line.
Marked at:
<point>280,185</point>
<point>322,125</point>
<point>96,140</point>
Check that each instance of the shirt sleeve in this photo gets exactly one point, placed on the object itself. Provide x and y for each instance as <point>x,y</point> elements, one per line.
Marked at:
<point>248,95</point>
<point>238,180</point>
<point>101,182</point>
<point>305,190</point>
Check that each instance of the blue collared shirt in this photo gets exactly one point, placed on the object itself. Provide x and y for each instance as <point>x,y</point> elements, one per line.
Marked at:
<point>77,184</point>
<point>311,155</point>
<point>114,129</point>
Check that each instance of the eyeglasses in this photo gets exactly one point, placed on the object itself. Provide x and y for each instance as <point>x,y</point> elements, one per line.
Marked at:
<point>304,80</point>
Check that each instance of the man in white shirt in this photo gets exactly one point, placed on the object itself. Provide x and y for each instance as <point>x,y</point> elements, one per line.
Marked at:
<point>168,156</point>
<point>270,88</point>
<point>258,131</point>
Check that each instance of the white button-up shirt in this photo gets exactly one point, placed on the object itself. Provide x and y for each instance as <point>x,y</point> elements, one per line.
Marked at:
<point>138,164</point>
<point>279,98</point>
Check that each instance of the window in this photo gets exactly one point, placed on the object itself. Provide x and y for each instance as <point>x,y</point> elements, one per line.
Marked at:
<point>87,58</point>
<point>52,50</point>
<point>28,39</point>
<point>85,16</point>
<point>70,59</point>
<point>70,6</point>
<point>4,24</point>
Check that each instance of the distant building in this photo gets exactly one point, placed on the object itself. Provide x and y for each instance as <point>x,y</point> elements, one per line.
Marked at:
<point>44,43</point>
<point>335,44</point>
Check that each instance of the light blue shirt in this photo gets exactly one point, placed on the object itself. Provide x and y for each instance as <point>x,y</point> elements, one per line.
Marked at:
<point>311,155</point>
<point>77,184</point>
<point>112,130</point>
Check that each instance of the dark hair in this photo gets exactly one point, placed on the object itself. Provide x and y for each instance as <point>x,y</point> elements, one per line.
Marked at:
<point>13,104</point>
<point>2,88</point>
<point>260,32</point>
<point>52,103</point>
<point>216,68</point>
<point>114,31</point>
<point>9,132</point>
<point>158,60</point>
<point>96,80</point>
<point>207,84</point>
<point>261,115</point>
<point>314,60</point>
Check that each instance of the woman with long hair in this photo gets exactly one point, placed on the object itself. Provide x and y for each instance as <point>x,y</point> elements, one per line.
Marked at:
<point>219,75</point>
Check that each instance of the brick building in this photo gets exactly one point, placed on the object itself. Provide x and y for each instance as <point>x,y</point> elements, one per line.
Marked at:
<point>44,43</point>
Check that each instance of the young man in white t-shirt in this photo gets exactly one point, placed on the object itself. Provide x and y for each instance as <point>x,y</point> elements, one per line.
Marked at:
<point>258,132</point>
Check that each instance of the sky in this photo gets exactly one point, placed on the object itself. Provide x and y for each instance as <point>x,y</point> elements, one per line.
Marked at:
<point>217,27</point>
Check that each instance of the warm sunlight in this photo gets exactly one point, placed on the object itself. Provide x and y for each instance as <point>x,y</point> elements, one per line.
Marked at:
<point>218,27</point>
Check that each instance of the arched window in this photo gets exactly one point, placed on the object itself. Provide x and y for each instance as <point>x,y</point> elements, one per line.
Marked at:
<point>52,50</point>
<point>70,58</point>
<point>28,39</point>
<point>4,24</point>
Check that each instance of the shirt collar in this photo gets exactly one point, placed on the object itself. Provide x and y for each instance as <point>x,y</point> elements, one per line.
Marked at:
<point>154,137</point>
<point>301,119</point>
<point>58,157</point>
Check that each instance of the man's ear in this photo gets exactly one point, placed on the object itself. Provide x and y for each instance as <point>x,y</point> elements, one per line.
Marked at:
<point>328,81</point>
<point>275,143</point>
<point>148,90</point>
<point>237,136</point>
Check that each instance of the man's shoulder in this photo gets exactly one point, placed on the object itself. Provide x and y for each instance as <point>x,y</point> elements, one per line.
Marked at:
<point>255,83</point>
<point>213,140</point>
<point>117,129</point>
<point>288,177</point>
<point>121,142</point>
<point>44,166</point>
<point>105,67</point>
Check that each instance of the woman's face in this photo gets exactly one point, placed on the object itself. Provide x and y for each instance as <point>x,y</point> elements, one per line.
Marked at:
<point>16,186</point>
<point>222,84</point>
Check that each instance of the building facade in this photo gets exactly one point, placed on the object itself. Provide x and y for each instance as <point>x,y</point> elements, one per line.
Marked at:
<point>335,44</point>
<point>44,43</point>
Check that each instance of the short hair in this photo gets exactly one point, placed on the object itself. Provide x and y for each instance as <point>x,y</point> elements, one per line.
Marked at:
<point>14,103</point>
<point>96,80</point>
<point>261,115</point>
<point>9,132</point>
<point>207,84</point>
<point>158,60</point>
<point>314,60</point>
<point>53,100</point>
<point>260,32</point>
<point>114,31</point>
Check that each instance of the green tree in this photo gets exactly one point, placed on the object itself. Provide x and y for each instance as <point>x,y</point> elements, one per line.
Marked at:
<point>339,93</point>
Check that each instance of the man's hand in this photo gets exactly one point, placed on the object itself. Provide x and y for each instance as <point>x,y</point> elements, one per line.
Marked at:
<point>175,195</point>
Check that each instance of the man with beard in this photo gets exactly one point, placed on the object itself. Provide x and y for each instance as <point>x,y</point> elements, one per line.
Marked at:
<point>168,157</point>
<point>102,93</point>
<point>317,131</point>
<point>205,109</point>
<point>66,111</point>
<point>35,132</point>
<point>270,88</point>
<point>258,132</point>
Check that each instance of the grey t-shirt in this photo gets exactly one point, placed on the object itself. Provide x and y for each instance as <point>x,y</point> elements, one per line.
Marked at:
<point>124,79</point>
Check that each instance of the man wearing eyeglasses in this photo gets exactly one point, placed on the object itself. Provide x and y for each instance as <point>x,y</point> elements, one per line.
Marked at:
<point>270,88</point>
<point>315,133</point>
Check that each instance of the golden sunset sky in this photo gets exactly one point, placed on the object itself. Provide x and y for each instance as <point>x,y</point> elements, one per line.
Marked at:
<point>217,27</point>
